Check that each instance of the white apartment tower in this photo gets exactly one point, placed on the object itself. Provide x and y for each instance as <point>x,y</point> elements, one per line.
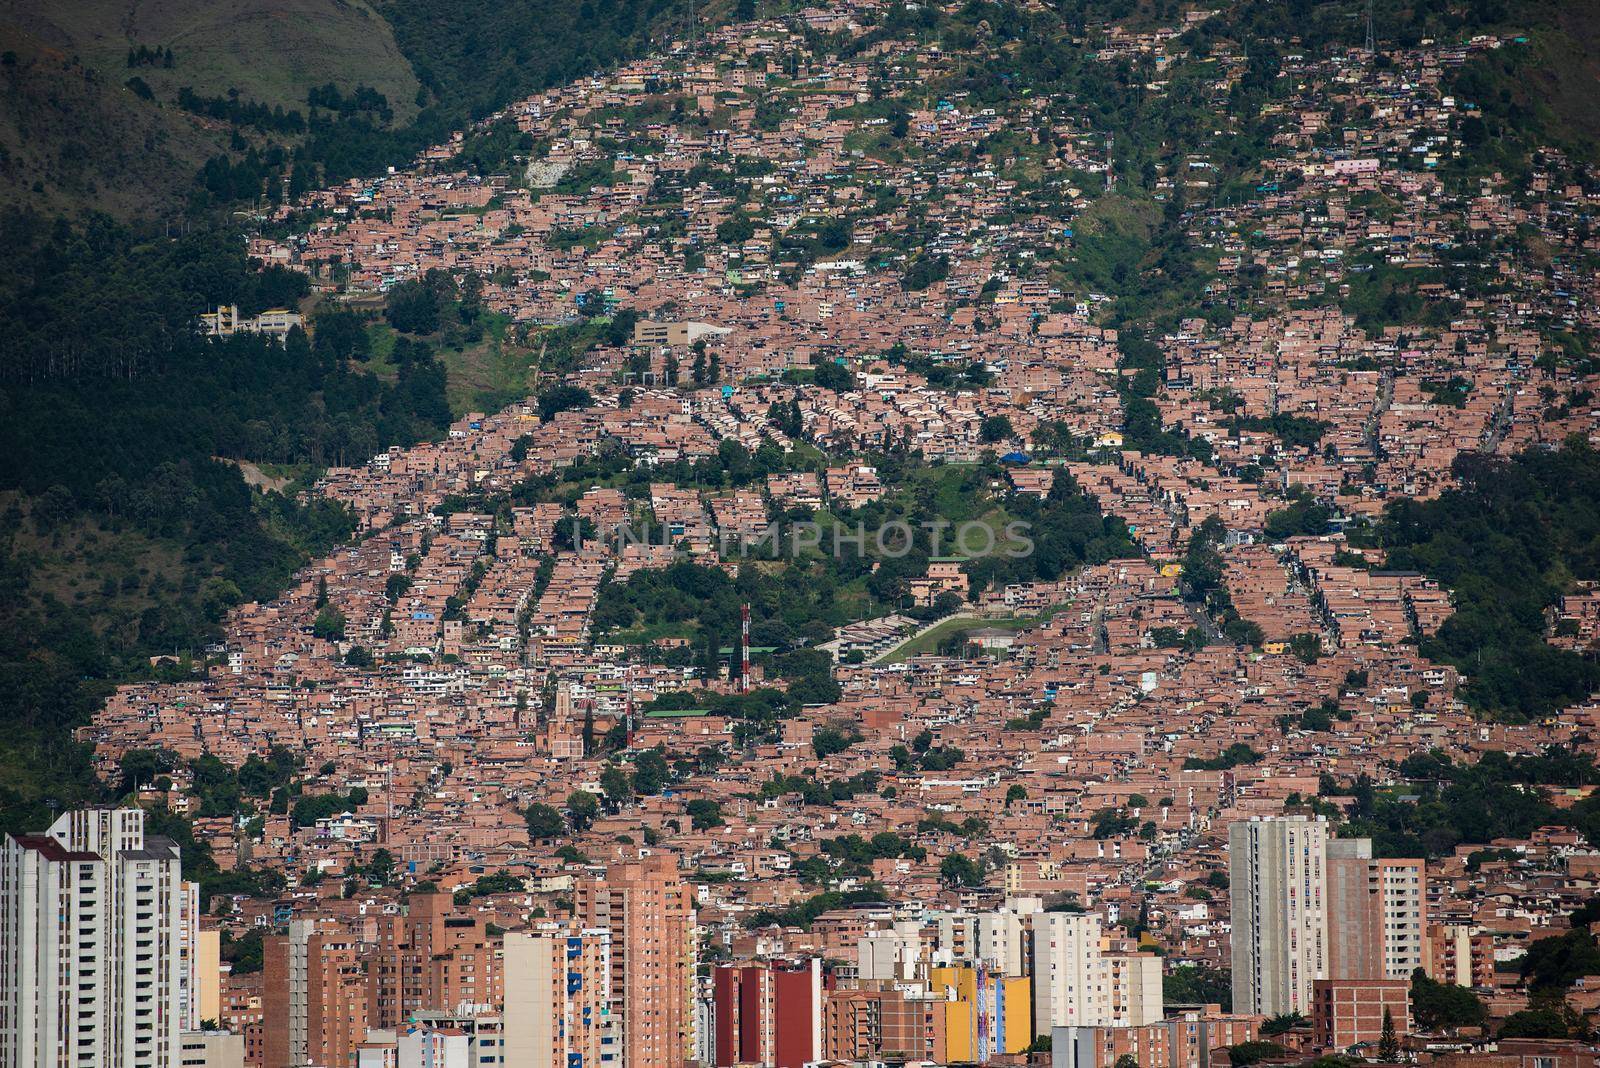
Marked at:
<point>1308,907</point>
<point>1279,894</point>
<point>91,945</point>
<point>557,998</point>
<point>1077,983</point>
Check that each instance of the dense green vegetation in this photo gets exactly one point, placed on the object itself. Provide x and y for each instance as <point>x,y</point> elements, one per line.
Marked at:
<point>1436,1006</point>
<point>1196,984</point>
<point>1507,543</point>
<point>802,914</point>
<point>1453,804</point>
<point>127,533</point>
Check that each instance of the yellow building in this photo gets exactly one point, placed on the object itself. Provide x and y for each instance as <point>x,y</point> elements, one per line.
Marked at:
<point>985,1014</point>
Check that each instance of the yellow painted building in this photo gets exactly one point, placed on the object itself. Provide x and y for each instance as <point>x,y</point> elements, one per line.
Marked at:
<point>984,1014</point>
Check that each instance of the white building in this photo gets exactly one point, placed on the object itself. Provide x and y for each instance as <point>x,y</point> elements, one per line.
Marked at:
<point>1078,983</point>
<point>999,939</point>
<point>92,968</point>
<point>557,998</point>
<point>211,1049</point>
<point>1279,892</point>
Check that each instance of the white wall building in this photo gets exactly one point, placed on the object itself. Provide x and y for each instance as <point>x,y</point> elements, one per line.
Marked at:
<point>1077,983</point>
<point>1278,888</point>
<point>92,969</point>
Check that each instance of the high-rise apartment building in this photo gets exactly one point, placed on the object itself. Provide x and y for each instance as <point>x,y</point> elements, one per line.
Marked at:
<point>877,1017</point>
<point>431,957</point>
<point>649,911</point>
<point>1078,981</point>
<point>91,945</point>
<point>767,1013</point>
<point>1279,895</point>
<point>1375,913</point>
<point>1000,939</point>
<point>314,996</point>
<point>557,998</point>
<point>1307,907</point>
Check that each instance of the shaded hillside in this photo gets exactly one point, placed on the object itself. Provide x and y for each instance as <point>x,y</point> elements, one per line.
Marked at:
<point>273,51</point>
<point>121,535</point>
<point>70,137</point>
<point>90,117</point>
<point>477,57</point>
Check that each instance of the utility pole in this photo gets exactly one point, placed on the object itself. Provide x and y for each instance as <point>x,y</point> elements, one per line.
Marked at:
<point>1372,46</point>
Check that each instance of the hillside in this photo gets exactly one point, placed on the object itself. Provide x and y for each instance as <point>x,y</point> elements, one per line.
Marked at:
<point>88,121</point>
<point>115,106</point>
<point>269,50</point>
<point>72,136</point>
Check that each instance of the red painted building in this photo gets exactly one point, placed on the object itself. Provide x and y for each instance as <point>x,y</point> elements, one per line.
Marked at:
<point>768,1013</point>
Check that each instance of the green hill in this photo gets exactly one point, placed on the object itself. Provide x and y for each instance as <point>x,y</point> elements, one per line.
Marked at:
<point>268,50</point>
<point>115,105</point>
<point>90,120</point>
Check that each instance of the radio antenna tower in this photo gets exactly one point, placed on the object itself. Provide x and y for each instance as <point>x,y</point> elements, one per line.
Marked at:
<point>1372,44</point>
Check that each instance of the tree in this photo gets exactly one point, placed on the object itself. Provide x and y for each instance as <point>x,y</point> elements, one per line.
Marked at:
<point>413,308</point>
<point>704,814</point>
<point>1307,647</point>
<point>380,869</point>
<point>1438,1006</point>
<point>1016,792</point>
<point>1388,1042</point>
<point>582,809</point>
<point>1253,1052</point>
<point>995,428</point>
<point>828,740</point>
<point>1552,965</point>
<point>329,624</point>
<point>1191,984</point>
<point>562,398</point>
<point>614,781</point>
<point>1548,1020</point>
<point>543,821</point>
<point>141,766</point>
<point>1282,1023</point>
<point>958,869</point>
<point>1127,1060</point>
<point>650,772</point>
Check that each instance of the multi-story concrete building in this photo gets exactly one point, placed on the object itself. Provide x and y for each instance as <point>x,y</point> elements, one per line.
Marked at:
<point>1375,913</point>
<point>1460,954</point>
<point>1279,895</point>
<point>1184,1040</point>
<point>91,962</point>
<point>649,911</point>
<point>1351,1012</point>
<point>875,1018</point>
<point>1077,981</point>
<point>1000,939</point>
<point>767,1012</point>
<point>211,1049</point>
<point>1309,907</point>
<point>557,998</point>
<point>314,996</point>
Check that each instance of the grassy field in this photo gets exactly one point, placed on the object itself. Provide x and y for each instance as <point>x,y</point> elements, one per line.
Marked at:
<point>491,374</point>
<point>930,640</point>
